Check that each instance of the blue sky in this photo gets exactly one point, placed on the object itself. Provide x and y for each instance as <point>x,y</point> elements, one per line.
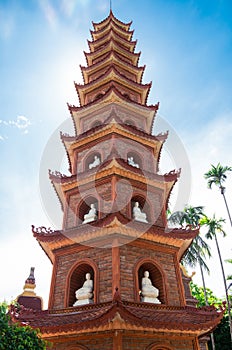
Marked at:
<point>187,49</point>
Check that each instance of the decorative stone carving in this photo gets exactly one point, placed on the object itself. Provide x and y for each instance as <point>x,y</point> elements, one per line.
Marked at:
<point>43,230</point>
<point>95,162</point>
<point>149,293</point>
<point>131,162</point>
<point>138,215</point>
<point>91,215</point>
<point>84,295</point>
<point>57,174</point>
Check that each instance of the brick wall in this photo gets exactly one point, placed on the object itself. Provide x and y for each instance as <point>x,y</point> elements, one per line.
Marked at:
<point>131,255</point>
<point>130,341</point>
<point>125,190</point>
<point>101,257</point>
<point>92,342</point>
<point>123,146</point>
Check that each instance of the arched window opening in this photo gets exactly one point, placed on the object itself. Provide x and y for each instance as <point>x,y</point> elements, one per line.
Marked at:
<point>140,210</point>
<point>134,160</point>
<point>129,122</point>
<point>95,124</point>
<point>158,347</point>
<point>127,96</point>
<point>98,96</point>
<point>156,279</point>
<point>77,281</point>
<point>92,161</point>
<point>88,210</point>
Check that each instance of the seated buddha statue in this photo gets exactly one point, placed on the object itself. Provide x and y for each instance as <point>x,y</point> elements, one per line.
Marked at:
<point>138,215</point>
<point>91,215</point>
<point>149,292</point>
<point>95,162</point>
<point>84,294</point>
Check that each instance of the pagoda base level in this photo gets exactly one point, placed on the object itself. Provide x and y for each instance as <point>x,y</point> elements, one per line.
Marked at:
<point>83,302</point>
<point>123,340</point>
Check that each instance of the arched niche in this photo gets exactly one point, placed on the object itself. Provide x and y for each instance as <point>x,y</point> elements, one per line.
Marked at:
<point>156,276</point>
<point>159,346</point>
<point>95,124</point>
<point>84,208</point>
<point>127,96</point>
<point>76,347</point>
<point>92,161</point>
<point>136,158</point>
<point>98,96</point>
<point>76,278</point>
<point>129,122</point>
<point>143,205</point>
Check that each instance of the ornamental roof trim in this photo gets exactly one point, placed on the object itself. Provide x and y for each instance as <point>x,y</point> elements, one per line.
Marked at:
<point>111,160</point>
<point>101,32</point>
<point>112,77</point>
<point>112,34</point>
<point>112,226</point>
<point>112,95</point>
<point>113,45</point>
<point>119,314</point>
<point>105,21</point>
<point>112,56</point>
<point>112,73</point>
<point>116,124</point>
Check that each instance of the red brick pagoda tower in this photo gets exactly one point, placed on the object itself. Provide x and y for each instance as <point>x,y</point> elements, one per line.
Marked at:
<point>116,282</point>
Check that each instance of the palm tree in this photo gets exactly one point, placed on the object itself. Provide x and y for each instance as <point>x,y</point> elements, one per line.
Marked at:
<point>215,226</point>
<point>188,218</point>
<point>191,217</point>
<point>217,175</point>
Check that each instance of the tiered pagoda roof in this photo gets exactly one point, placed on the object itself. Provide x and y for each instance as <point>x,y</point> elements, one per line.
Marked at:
<point>122,315</point>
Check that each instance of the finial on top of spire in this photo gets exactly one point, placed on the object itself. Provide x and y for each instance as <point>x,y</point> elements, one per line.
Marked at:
<point>31,278</point>
<point>110,5</point>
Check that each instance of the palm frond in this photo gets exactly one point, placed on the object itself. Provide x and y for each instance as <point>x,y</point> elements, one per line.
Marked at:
<point>217,175</point>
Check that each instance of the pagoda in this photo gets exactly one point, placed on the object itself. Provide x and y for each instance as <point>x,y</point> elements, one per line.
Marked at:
<point>117,282</point>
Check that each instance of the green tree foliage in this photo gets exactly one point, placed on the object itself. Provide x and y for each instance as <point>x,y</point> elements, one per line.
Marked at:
<point>222,332</point>
<point>190,218</point>
<point>217,176</point>
<point>198,293</point>
<point>215,226</point>
<point>222,335</point>
<point>15,337</point>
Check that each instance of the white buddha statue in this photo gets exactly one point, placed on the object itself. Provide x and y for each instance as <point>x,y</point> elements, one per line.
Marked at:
<point>91,215</point>
<point>149,292</point>
<point>84,295</point>
<point>138,215</point>
<point>131,162</point>
<point>95,162</point>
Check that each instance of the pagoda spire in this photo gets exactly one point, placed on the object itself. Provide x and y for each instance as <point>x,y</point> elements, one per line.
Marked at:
<point>28,298</point>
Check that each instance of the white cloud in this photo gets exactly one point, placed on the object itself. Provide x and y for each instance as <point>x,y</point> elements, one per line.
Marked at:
<point>49,12</point>
<point>68,7</point>
<point>22,123</point>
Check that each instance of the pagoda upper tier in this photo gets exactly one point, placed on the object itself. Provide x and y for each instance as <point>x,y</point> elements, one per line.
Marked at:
<point>112,75</point>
